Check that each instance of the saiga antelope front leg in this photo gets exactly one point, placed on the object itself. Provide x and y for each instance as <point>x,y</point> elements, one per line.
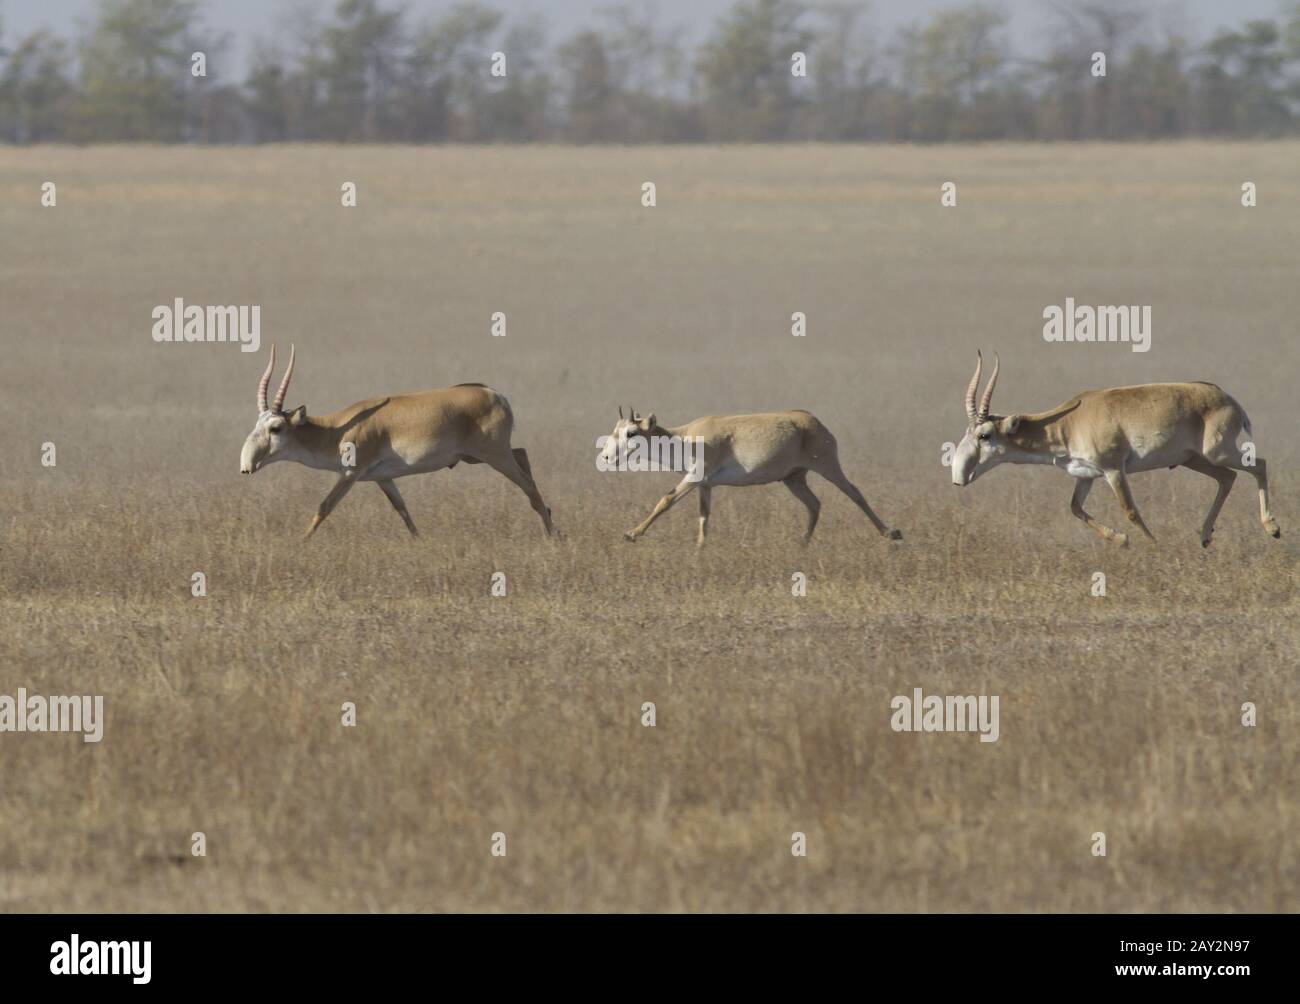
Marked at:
<point>683,489</point>
<point>341,487</point>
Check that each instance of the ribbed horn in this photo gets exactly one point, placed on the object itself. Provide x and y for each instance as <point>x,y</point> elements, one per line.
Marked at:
<point>278,403</point>
<point>974,386</point>
<point>266,382</point>
<point>987,399</point>
<point>620,413</point>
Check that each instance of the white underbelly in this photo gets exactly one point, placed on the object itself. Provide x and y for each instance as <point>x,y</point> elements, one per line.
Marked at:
<point>1081,467</point>
<point>735,475</point>
<point>1157,459</point>
<point>1077,467</point>
<point>398,467</point>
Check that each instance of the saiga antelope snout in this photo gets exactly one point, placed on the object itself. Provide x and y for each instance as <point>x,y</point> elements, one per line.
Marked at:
<point>1114,433</point>
<point>384,438</point>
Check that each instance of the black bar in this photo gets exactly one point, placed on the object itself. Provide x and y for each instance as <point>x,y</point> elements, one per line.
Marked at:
<point>618,953</point>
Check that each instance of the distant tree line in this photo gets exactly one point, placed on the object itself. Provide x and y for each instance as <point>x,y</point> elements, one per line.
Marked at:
<point>368,73</point>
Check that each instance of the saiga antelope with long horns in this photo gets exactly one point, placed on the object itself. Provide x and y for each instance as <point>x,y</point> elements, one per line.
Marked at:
<point>390,437</point>
<point>746,450</point>
<point>1112,434</point>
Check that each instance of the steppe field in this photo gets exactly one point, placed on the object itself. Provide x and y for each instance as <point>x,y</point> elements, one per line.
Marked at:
<point>522,714</point>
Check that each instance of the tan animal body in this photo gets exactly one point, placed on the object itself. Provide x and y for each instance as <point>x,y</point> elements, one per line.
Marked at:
<point>747,450</point>
<point>385,438</point>
<point>1114,433</point>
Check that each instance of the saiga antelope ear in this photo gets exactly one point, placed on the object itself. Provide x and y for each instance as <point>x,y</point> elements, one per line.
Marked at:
<point>1010,424</point>
<point>299,415</point>
<point>648,422</point>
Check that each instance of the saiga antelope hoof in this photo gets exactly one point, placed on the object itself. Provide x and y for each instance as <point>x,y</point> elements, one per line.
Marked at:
<point>895,535</point>
<point>630,537</point>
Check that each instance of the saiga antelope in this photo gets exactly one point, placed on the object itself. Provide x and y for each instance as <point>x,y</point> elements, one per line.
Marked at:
<point>1112,434</point>
<point>747,450</point>
<point>390,437</point>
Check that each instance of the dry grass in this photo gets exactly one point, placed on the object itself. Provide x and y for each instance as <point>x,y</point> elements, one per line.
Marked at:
<point>522,714</point>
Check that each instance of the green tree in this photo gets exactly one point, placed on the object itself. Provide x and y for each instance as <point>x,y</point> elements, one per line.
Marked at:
<point>36,96</point>
<point>363,54</point>
<point>651,72</point>
<point>951,66</point>
<point>135,70</point>
<point>269,96</point>
<point>592,101</point>
<point>448,72</point>
<point>1154,92</point>
<point>745,70</point>
<point>515,107</point>
<point>1243,88</point>
<point>841,70</point>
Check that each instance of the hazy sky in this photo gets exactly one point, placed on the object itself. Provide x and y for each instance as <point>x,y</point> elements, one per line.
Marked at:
<point>1031,20</point>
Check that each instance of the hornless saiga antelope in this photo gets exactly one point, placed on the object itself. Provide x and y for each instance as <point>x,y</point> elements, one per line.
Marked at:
<point>390,437</point>
<point>1112,434</point>
<point>747,450</point>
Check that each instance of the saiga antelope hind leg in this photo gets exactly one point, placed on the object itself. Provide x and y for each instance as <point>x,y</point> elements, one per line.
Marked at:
<point>798,485</point>
<point>1225,479</point>
<point>1259,471</point>
<point>706,504</point>
<point>833,473</point>
<point>519,471</point>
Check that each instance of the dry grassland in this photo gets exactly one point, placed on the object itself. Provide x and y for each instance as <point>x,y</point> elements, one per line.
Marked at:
<point>522,715</point>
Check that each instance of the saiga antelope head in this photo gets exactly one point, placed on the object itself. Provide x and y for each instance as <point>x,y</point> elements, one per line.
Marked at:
<point>986,442</point>
<point>273,437</point>
<point>625,430</point>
